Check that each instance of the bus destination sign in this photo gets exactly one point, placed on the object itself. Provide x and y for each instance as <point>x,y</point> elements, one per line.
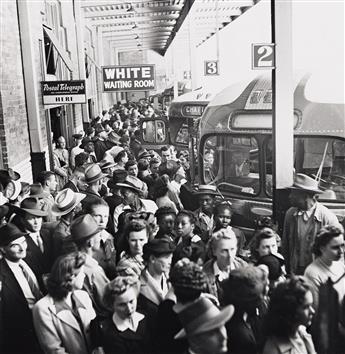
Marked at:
<point>193,110</point>
<point>63,92</point>
<point>128,78</point>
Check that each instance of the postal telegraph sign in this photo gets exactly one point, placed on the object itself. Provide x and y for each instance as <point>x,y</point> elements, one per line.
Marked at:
<point>128,78</point>
<point>63,92</point>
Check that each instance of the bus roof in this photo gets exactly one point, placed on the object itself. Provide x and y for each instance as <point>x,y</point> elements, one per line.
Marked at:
<point>255,97</point>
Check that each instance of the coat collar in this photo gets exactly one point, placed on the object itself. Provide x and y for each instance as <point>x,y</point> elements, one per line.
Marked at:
<point>149,288</point>
<point>63,312</point>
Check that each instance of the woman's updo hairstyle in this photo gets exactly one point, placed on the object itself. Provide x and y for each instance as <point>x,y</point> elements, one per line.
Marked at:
<point>118,286</point>
<point>325,235</point>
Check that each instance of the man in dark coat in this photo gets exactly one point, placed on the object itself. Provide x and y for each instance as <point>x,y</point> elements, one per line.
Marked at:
<point>19,291</point>
<point>39,255</point>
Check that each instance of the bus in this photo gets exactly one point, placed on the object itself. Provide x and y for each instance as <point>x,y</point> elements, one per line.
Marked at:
<point>235,147</point>
<point>180,127</point>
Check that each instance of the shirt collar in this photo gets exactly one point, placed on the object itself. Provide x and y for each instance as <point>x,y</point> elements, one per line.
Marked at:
<point>128,323</point>
<point>221,275</point>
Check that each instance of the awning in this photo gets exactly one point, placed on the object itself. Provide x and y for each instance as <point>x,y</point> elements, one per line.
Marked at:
<point>61,51</point>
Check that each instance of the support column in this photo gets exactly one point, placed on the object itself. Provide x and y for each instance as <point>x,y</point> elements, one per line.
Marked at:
<point>80,24</point>
<point>28,13</point>
<point>283,105</point>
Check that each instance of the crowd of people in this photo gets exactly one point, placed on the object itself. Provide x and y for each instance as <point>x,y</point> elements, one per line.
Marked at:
<point>114,251</point>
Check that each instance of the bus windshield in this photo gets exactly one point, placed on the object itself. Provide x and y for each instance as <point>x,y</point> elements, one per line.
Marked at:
<point>232,163</point>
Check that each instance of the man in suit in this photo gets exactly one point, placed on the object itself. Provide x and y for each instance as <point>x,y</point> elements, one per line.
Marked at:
<point>19,291</point>
<point>77,180</point>
<point>39,241</point>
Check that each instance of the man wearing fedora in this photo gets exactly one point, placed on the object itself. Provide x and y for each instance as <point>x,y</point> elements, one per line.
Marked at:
<point>204,326</point>
<point>19,291</point>
<point>39,241</point>
<point>302,222</point>
<point>85,233</point>
<point>88,146</point>
<point>130,191</point>
<point>94,179</point>
<point>204,214</point>
<point>66,206</point>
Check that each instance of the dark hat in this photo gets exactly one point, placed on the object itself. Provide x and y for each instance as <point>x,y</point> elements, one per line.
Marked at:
<point>37,191</point>
<point>114,138</point>
<point>144,154</point>
<point>274,264</point>
<point>165,210</point>
<point>186,274</point>
<point>119,176</point>
<point>65,201</point>
<point>158,247</point>
<point>305,183</point>
<point>99,128</point>
<point>133,183</point>
<point>84,227</point>
<point>33,206</point>
<point>202,316</point>
<point>207,189</point>
<point>93,173</point>
<point>77,136</point>
<point>160,182</point>
<point>85,141</point>
<point>9,233</point>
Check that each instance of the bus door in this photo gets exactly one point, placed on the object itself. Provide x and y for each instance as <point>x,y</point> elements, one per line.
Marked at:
<point>154,133</point>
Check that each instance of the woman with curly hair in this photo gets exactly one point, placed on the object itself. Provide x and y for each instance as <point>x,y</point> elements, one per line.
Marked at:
<point>134,239</point>
<point>62,318</point>
<point>289,313</point>
<point>125,331</point>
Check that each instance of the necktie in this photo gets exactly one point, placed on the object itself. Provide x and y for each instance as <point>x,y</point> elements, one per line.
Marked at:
<point>39,242</point>
<point>32,284</point>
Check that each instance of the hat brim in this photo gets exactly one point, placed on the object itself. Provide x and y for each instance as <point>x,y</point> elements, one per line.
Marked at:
<point>303,188</point>
<point>92,180</point>
<point>125,185</point>
<point>58,212</point>
<point>35,212</point>
<point>218,321</point>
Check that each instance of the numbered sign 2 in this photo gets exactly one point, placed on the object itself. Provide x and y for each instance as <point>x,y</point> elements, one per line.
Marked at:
<point>263,56</point>
<point>211,67</point>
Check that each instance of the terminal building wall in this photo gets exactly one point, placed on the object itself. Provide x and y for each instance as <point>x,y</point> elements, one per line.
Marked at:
<point>14,136</point>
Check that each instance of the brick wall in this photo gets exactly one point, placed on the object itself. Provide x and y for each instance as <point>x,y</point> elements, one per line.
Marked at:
<point>14,137</point>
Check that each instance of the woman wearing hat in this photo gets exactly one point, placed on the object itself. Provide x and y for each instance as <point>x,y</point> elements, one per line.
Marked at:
<point>125,331</point>
<point>62,318</point>
<point>135,237</point>
<point>154,278</point>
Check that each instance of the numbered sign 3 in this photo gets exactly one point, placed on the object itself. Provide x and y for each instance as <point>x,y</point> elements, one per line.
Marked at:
<point>211,67</point>
<point>263,56</point>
